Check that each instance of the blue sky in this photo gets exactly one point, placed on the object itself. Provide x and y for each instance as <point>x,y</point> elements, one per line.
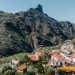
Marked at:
<point>58,9</point>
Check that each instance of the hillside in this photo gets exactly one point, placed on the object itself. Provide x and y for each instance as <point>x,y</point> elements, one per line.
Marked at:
<point>25,31</point>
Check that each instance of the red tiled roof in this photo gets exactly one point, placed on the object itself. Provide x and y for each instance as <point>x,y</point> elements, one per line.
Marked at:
<point>22,67</point>
<point>55,53</point>
<point>33,57</point>
<point>36,56</point>
<point>60,57</point>
<point>72,55</point>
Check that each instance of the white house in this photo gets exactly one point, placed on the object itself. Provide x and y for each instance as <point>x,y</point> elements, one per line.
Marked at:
<point>14,63</point>
<point>59,59</point>
<point>72,57</point>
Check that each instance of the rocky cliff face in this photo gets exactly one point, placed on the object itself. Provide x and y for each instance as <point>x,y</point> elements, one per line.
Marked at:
<point>25,31</point>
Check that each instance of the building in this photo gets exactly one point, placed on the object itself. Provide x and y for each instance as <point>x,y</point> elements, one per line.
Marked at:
<point>14,63</point>
<point>22,68</point>
<point>59,59</point>
<point>72,56</point>
<point>34,57</point>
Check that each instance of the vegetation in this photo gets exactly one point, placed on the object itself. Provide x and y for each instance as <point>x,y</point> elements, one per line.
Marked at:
<point>73,41</point>
<point>6,68</point>
<point>39,67</point>
<point>5,60</point>
<point>9,72</point>
<point>19,73</point>
<point>16,56</point>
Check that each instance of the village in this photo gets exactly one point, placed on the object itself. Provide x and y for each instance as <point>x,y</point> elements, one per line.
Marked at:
<point>54,62</point>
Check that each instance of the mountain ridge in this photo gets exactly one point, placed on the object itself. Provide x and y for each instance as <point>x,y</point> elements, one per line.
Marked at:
<point>25,31</point>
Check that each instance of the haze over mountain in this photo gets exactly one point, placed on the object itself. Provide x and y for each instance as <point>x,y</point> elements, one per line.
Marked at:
<point>25,31</point>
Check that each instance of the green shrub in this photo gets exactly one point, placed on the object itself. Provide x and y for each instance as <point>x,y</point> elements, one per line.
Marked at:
<point>9,72</point>
<point>60,72</point>
<point>6,68</point>
<point>19,73</point>
<point>30,73</point>
<point>73,40</point>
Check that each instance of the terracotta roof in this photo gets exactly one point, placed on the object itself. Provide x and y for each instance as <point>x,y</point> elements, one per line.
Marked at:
<point>60,57</point>
<point>22,67</point>
<point>72,55</point>
<point>55,53</point>
<point>33,57</point>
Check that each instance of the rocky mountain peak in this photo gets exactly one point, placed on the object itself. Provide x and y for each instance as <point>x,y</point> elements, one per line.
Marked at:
<point>39,8</point>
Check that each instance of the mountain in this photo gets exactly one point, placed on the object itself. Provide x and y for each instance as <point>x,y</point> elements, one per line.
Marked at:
<point>25,31</point>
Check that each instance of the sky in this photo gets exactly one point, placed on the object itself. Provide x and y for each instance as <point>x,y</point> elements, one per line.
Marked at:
<point>61,10</point>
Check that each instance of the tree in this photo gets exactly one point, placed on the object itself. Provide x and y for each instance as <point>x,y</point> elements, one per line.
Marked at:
<point>6,68</point>
<point>46,69</point>
<point>9,72</point>
<point>60,72</point>
<point>73,40</point>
